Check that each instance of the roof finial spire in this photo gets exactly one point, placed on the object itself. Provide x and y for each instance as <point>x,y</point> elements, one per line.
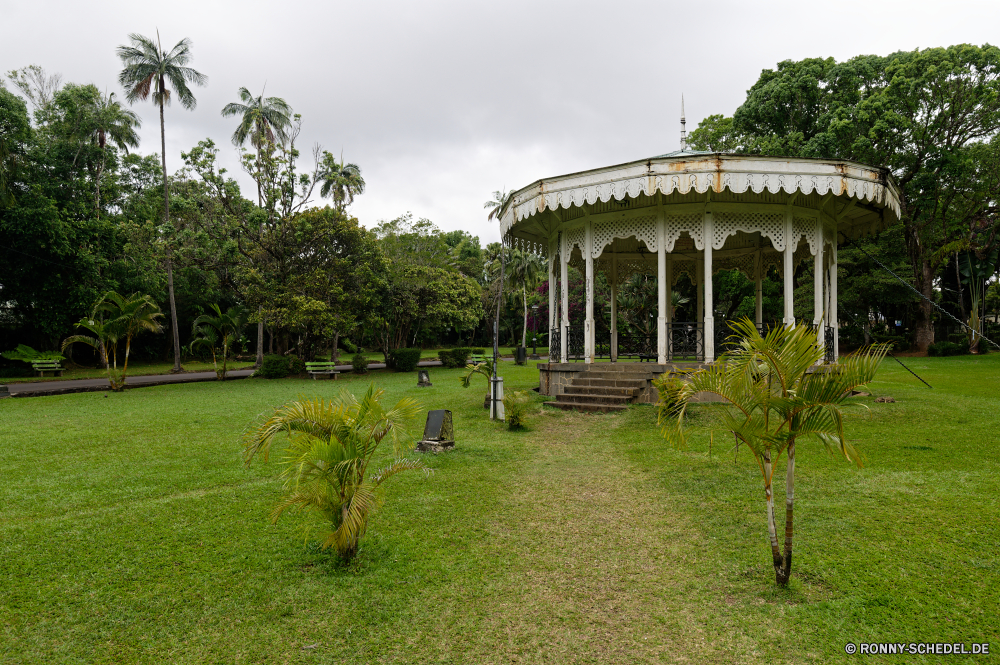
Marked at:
<point>684,139</point>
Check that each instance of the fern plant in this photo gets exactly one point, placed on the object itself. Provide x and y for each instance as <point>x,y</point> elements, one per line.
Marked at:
<point>329,448</point>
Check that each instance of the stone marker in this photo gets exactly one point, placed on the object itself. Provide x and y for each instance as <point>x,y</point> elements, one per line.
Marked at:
<point>4,392</point>
<point>439,435</point>
<point>423,379</point>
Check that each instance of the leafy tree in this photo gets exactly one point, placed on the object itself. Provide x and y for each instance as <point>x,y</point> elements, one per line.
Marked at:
<point>149,69</point>
<point>115,320</point>
<point>37,87</point>
<point>330,445</point>
<point>773,399</point>
<point>419,298</point>
<point>324,275</point>
<point>15,133</point>
<point>219,334</point>
<point>929,116</point>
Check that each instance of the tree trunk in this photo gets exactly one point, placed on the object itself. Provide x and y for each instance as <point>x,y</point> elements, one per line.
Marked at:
<point>175,329</point>
<point>334,347</point>
<point>785,572</point>
<point>772,532</point>
<point>260,341</point>
<point>923,278</point>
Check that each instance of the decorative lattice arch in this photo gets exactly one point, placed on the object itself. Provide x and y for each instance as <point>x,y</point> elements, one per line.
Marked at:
<point>769,224</point>
<point>674,225</point>
<point>577,237</point>
<point>684,267</point>
<point>643,228</point>
<point>745,263</point>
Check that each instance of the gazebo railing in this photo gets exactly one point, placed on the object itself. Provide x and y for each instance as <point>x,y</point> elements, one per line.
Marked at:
<point>574,347</point>
<point>685,340</point>
<point>555,346</point>
<point>637,345</point>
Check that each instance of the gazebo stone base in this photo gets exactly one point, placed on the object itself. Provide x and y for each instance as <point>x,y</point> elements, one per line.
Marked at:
<point>578,385</point>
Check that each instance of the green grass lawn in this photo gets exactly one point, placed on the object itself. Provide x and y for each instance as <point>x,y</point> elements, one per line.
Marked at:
<point>130,531</point>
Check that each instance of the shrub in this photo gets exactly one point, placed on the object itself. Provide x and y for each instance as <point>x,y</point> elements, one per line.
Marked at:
<point>347,345</point>
<point>515,408</point>
<point>899,342</point>
<point>343,434</point>
<point>405,360</point>
<point>455,358</point>
<point>274,367</point>
<point>359,364</point>
<point>296,365</point>
<point>947,349</point>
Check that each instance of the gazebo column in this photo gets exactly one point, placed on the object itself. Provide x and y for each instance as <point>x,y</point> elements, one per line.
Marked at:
<point>661,292</point>
<point>553,319</point>
<point>758,289</point>
<point>564,310</point>
<point>819,316</point>
<point>834,320</point>
<point>699,280</point>
<point>614,307</point>
<point>789,272</point>
<point>709,318</point>
<point>588,325</point>
<point>670,304</point>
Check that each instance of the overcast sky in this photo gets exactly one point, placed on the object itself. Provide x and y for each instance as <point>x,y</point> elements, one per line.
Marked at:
<point>441,103</point>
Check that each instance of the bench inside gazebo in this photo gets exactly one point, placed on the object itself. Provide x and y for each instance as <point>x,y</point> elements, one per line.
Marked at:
<point>687,213</point>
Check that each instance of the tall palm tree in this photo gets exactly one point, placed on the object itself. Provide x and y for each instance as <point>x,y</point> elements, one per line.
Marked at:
<point>114,320</point>
<point>526,269</point>
<point>495,206</point>
<point>341,182</point>
<point>263,120</point>
<point>774,397</point>
<point>148,71</point>
<point>114,124</point>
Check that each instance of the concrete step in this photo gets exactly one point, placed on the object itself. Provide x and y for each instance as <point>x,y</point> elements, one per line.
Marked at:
<point>583,381</point>
<point>601,390</point>
<point>625,368</point>
<point>584,406</point>
<point>595,398</point>
<point>615,376</point>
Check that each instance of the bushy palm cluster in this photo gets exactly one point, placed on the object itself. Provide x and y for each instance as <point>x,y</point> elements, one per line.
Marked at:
<point>219,334</point>
<point>775,394</point>
<point>330,446</point>
<point>115,320</point>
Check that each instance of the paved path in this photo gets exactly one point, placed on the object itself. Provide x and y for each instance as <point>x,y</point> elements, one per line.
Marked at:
<point>96,385</point>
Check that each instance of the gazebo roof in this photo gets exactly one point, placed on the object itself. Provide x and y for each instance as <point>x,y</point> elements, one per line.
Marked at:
<point>870,198</point>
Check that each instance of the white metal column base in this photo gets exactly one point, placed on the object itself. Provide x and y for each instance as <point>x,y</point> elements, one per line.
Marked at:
<point>661,339</point>
<point>709,340</point>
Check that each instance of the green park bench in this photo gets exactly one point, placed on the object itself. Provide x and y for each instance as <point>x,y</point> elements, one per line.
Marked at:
<point>43,366</point>
<point>319,368</point>
<point>477,358</point>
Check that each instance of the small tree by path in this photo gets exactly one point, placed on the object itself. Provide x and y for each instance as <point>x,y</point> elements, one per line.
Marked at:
<point>219,334</point>
<point>775,395</point>
<point>115,320</point>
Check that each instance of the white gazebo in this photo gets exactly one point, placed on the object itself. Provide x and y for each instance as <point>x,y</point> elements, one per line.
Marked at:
<point>695,213</point>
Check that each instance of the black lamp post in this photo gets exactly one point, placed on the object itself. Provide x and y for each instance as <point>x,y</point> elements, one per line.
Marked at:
<point>534,332</point>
